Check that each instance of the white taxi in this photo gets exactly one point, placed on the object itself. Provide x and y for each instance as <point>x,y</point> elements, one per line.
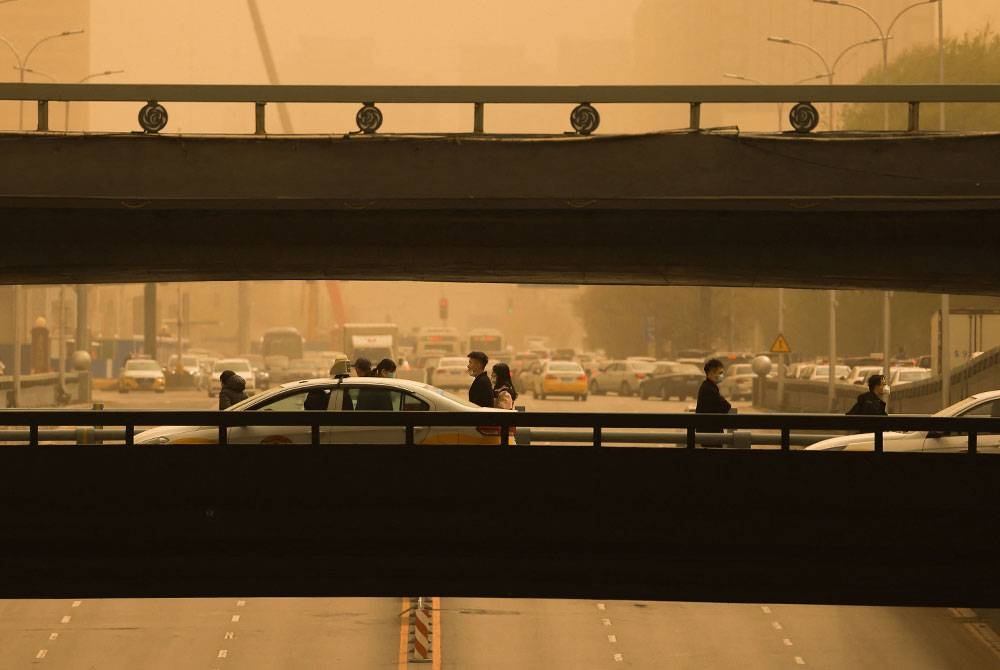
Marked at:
<point>342,394</point>
<point>981,405</point>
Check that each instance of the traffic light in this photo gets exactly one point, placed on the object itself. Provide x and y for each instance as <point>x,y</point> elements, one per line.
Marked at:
<point>443,309</point>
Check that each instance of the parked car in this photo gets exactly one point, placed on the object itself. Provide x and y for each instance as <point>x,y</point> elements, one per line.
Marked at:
<point>738,382</point>
<point>525,371</point>
<point>982,405</point>
<point>560,378</point>
<point>621,377</point>
<point>861,373</point>
<point>142,374</point>
<point>908,375</point>
<point>822,372</point>
<point>669,378</point>
<point>340,395</point>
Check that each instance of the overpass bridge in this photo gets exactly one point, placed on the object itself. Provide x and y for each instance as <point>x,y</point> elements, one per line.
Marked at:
<point>689,206</point>
<point>901,210</point>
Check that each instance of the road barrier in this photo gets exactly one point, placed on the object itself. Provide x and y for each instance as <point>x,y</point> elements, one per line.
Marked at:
<point>421,630</point>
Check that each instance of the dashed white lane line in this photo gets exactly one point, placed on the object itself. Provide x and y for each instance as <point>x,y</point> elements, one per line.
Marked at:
<point>786,642</point>
<point>962,612</point>
<point>54,636</point>
<point>229,635</point>
<point>606,622</point>
<point>601,606</point>
<point>612,639</point>
<point>986,635</point>
<point>800,660</point>
<point>619,658</point>
<point>765,609</point>
<point>236,618</point>
<point>66,619</point>
<point>241,603</point>
<point>777,626</point>
<point>76,603</point>
<point>223,653</point>
<point>42,653</point>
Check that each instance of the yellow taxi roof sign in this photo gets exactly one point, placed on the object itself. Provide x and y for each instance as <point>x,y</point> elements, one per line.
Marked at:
<point>780,345</point>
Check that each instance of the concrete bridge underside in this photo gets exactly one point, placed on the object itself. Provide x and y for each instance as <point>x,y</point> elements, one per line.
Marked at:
<point>917,212</point>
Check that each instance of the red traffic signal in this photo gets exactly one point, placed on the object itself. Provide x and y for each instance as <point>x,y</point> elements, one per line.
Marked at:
<point>443,308</point>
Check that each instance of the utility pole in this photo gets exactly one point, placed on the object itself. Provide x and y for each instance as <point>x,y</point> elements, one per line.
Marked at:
<point>269,66</point>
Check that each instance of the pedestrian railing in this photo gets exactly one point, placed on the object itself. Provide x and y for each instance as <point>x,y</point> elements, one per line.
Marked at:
<point>584,117</point>
<point>33,427</point>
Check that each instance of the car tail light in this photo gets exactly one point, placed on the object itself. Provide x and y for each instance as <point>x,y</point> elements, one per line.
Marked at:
<point>582,378</point>
<point>640,375</point>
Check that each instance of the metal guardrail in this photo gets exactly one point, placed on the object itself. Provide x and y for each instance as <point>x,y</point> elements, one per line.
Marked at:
<point>584,118</point>
<point>697,427</point>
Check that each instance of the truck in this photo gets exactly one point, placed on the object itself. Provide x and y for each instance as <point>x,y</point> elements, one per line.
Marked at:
<point>972,331</point>
<point>373,341</point>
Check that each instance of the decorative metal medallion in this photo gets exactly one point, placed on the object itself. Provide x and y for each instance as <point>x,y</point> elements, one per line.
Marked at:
<point>153,117</point>
<point>584,118</point>
<point>369,118</point>
<point>803,117</point>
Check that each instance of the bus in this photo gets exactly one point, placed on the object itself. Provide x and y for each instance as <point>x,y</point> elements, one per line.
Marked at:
<point>488,340</point>
<point>438,341</point>
<point>278,346</point>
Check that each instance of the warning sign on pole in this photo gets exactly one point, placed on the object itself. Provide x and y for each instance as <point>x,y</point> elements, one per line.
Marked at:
<point>780,345</point>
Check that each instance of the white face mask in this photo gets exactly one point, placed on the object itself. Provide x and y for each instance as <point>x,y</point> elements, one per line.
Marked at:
<point>722,375</point>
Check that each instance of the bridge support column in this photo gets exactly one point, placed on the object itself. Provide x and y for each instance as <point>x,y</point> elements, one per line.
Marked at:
<point>695,118</point>
<point>149,319</point>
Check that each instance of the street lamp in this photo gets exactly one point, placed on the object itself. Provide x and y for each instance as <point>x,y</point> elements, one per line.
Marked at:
<point>730,75</point>
<point>92,75</point>
<point>22,63</point>
<point>830,71</point>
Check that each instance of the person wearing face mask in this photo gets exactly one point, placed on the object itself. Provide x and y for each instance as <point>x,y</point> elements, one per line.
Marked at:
<point>481,391</point>
<point>710,400</point>
<point>873,402</point>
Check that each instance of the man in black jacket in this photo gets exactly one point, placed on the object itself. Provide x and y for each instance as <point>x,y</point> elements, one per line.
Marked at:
<point>481,391</point>
<point>710,400</point>
<point>233,389</point>
<point>871,403</point>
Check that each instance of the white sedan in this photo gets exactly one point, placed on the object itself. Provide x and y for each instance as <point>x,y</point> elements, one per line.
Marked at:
<point>340,395</point>
<point>981,405</point>
<point>240,366</point>
<point>452,372</point>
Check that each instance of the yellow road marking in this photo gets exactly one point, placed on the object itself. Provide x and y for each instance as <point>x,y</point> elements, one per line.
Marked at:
<point>404,631</point>
<point>436,632</point>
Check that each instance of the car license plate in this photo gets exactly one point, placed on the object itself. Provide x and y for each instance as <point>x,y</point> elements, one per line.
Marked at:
<point>567,379</point>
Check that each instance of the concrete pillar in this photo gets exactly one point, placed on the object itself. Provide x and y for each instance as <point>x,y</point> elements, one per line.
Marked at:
<point>243,317</point>
<point>149,319</point>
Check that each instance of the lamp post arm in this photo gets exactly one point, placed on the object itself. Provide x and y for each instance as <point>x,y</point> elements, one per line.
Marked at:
<point>905,10</point>
<point>28,70</point>
<point>6,42</point>
<point>42,41</point>
<point>852,47</point>
<point>815,51</point>
<point>863,11</point>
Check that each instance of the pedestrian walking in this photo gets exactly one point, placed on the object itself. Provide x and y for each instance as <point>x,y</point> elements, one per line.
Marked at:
<point>710,400</point>
<point>871,403</point>
<point>233,389</point>
<point>481,391</point>
<point>504,393</point>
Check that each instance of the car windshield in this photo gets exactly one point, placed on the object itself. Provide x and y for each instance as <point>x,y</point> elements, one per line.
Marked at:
<point>688,369</point>
<point>145,366</point>
<point>231,364</point>
<point>565,367</point>
<point>663,368</point>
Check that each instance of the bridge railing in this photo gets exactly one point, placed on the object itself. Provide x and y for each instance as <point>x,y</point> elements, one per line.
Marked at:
<point>584,117</point>
<point>601,428</point>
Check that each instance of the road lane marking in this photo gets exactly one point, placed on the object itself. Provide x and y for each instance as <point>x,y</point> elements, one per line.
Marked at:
<point>612,638</point>
<point>601,606</point>
<point>54,636</point>
<point>42,653</point>
<point>66,619</point>
<point>236,618</point>
<point>404,630</point>
<point>241,603</point>
<point>787,642</point>
<point>229,635</point>
<point>962,612</point>
<point>800,660</point>
<point>223,653</point>
<point>606,622</point>
<point>76,603</point>
<point>765,609</point>
<point>777,626</point>
<point>986,635</point>
<point>436,633</point>
<point>619,658</point>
